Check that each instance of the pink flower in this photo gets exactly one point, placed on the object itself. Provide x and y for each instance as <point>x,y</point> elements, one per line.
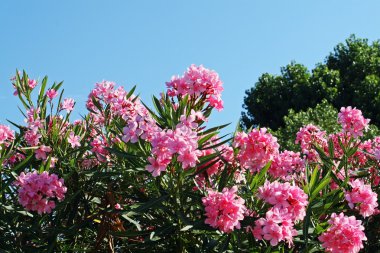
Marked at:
<point>41,152</point>
<point>198,115</point>
<point>275,227</point>
<point>363,197</point>
<point>68,105</point>
<point>32,83</point>
<point>183,141</point>
<point>287,198</point>
<point>53,161</point>
<point>131,132</point>
<point>17,157</point>
<point>138,121</point>
<point>73,140</point>
<point>118,206</point>
<point>345,235</point>
<point>287,165</point>
<point>189,158</point>
<point>157,166</point>
<point>216,102</point>
<point>188,121</point>
<point>224,210</point>
<point>240,139</point>
<point>308,136</point>
<point>377,154</point>
<point>99,148</point>
<point>256,149</point>
<point>38,192</point>
<point>32,137</point>
<point>51,93</point>
<point>6,135</point>
<point>352,121</point>
<point>198,81</point>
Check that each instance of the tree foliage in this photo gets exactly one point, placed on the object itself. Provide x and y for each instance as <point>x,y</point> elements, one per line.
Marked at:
<point>349,76</point>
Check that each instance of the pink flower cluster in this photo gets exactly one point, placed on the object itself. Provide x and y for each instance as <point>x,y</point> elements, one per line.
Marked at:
<point>13,159</point>
<point>286,165</point>
<point>32,83</point>
<point>275,227</point>
<point>198,81</point>
<point>51,93</point>
<point>363,197</point>
<point>377,154</point>
<point>32,135</point>
<point>285,196</point>
<point>182,141</point>
<point>42,152</point>
<point>338,138</point>
<point>139,123</point>
<point>224,210</point>
<point>345,235</point>
<point>37,192</point>
<point>68,104</point>
<point>372,147</point>
<point>256,148</point>
<point>74,140</point>
<point>288,206</point>
<point>99,146</point>
<point>352,121</point>
<point>309,135</point>
<point>7,135</point>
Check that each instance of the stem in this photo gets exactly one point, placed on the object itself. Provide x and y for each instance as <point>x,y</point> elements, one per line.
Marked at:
<point>178,205</point>
<point>306,227</point>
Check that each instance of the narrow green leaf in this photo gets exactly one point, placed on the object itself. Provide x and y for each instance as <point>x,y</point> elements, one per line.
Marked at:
<point>130,93</point>
<point>324,182</point>
<point>186,227</point>
<point>151,203</point>
<point>42,90</point>
<point>259,177</point>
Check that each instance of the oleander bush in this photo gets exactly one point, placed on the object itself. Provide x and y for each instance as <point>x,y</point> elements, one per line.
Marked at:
<point>129,178</point>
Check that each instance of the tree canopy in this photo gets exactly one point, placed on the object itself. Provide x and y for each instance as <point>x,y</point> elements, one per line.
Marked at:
<point>349,76</point>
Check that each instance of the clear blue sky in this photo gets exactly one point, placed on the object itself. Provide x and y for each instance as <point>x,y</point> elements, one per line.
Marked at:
<point>146,42</point>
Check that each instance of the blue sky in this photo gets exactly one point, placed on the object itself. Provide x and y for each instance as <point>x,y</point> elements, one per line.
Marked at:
<point>146,42</point>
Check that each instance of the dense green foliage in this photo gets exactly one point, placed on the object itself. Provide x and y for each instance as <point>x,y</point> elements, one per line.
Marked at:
<point>349,76</point>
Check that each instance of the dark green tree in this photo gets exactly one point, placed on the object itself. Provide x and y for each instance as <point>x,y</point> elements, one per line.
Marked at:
<point>349,76</point>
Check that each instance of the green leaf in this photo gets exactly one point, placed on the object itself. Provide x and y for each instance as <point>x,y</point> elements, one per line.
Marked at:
<point>130,93</point>
<point>136,223</point>
<point>323,183</point>
<point>42,90</point>
<point>186,227</point>
<point>314,176</point>
<point>223,178</point>
<point>129,233</point>
<point>331,148</point>
<point>213,129</point>
<point>259,178</point>
<point>151,203</point>
<point>216,145</point>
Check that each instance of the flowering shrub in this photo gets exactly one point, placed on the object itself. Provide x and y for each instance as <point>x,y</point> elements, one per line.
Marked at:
<point>129,178</point>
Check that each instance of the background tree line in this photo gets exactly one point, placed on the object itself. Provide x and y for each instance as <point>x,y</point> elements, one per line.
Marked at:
<point>350,75</point>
